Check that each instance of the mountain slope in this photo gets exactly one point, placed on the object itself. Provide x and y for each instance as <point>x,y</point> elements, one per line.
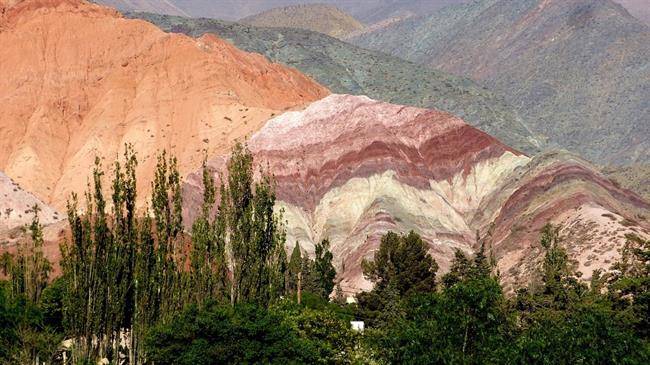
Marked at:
<point>350,168</point>
<point>154,6</point>
<point>639,9</point>
<point>577,69</point>
<point>368,11</point>
<point>80,81</point>
<point>326,19</point>
<point>634,177</point>
<point>16,213</point>
<point>16,206</point>
<point>351,70</point>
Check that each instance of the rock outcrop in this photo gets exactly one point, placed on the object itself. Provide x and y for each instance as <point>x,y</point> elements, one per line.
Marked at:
<point>349,169</point>
<point>78,81</point>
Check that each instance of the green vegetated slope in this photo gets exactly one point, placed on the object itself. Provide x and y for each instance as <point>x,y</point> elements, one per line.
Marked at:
<point>367,11</point>
<point>576,70</point>
<point>347,69</point>
<point>320,18</point>
<point>634,177</point>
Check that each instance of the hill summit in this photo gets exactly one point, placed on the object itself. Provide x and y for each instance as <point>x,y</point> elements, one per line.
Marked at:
<point>322,18</point>
<point>79,81</point>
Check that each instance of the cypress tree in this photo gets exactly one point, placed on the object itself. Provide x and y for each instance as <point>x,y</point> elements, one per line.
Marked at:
<point>323,269</point>
<point>294,269</point>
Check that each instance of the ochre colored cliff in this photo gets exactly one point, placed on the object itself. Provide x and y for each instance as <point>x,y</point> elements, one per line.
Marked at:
<point>80,81</point>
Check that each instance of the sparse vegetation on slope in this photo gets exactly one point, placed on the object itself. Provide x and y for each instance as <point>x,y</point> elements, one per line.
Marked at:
<point>326,19</point>
<point>633,177</point>
<point>347,69</point>
<point>576,70</point>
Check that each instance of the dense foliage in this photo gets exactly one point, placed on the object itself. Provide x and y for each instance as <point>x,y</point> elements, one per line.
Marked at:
<point>137,289</point>
<point>559,320</point>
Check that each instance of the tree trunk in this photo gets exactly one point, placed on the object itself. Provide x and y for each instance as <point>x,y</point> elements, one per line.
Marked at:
<point>299,286</point>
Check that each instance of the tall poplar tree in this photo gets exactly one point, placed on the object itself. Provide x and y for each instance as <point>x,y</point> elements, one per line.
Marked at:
<point>30,270</point>
<point>208,279</point>
<point>254,233</point>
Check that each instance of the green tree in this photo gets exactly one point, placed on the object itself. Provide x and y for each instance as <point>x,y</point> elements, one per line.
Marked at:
<point>467,322</point>
<point>30,270</point>
<point>294,276</point>
<point>325,326</point>
<point>255,235</point>
<point>564,322</point>
<point>401,267</point>
<point>207,257</point>
<point>323,270</point>
<point>402,262</point>
<point>24,338</point>
<point>6,262</point>
<point>629,285</point>
<point>205,336</point>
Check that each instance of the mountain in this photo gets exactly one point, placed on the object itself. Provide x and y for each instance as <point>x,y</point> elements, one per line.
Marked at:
<point>320,18</point>
<point>576,70</point>
<point>368,11</point>
<point>639,9</point>
<point>634,177</point>
<point>80,81</point>
<point>349,168</point>
<point>153,6</point>
<point>347,69</point>
<point>594,212</point>
<point>374,11</point>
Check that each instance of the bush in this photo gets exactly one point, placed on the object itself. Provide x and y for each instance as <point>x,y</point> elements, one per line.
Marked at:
<point>217,334</point>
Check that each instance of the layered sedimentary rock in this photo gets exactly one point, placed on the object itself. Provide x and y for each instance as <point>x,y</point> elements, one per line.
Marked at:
<point>593,212</point>
<point>349,169</point>
<point>80,81</point>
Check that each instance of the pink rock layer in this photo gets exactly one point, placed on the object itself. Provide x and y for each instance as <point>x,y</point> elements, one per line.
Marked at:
<point>349,169</point>
<point>344,136</point>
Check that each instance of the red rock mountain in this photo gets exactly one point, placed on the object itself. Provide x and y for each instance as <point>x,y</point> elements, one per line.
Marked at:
<point>78,80</point>
<point>350,168</point>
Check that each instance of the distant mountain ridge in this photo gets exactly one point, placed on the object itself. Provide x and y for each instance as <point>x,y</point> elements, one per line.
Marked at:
<point>154,6</point>
<point>322,18</point>
<point>367,11</point>
<point>347,69</point>
<point>639,9</point>
<point>577,70</point>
